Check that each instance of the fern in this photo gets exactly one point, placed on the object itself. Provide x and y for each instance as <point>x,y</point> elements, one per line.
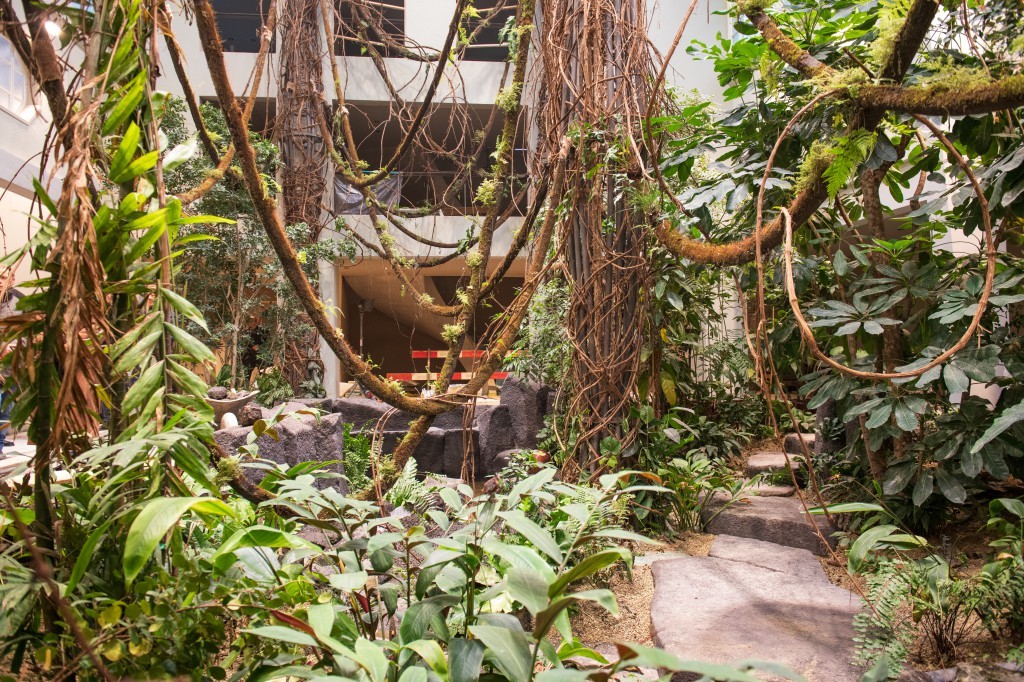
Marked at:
<point>410,492</point>
<point>357,452</point>
<point>848,153</point>
<point>883,628</point>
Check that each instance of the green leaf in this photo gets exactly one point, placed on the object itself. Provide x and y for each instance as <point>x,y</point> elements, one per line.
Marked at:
<point>956,380</point>
<point>431,652</point>
<point>85,555</point>
<point>125,153</point>
<point>142,389</point>
<point>905,417</point>
<point>849,508</point>
<point>587,567</point>
<point>537,536</point>
<point>283,634</point>
<point>321,619</point>
<point>879,416</point>
<point>417,619</point>
<point>262,536</point>
<point>924,487</point>
<point>181,153</point>
<point>350,581</point>
<point>191,345</point>
<point>1008,418</point>
<point>184,307</point>
<point>547,617</point>
<point>465,656</point>
<point>508,650</point>
<point>650,657</point>
<point>156,518</point>
<point>867,542</point>
<point>950,486</point>
<point>529,588</point>
<point>370,657</point>
<point>840,264</point>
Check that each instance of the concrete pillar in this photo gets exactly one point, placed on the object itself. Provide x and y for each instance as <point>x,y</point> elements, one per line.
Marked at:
<point>328,294</point>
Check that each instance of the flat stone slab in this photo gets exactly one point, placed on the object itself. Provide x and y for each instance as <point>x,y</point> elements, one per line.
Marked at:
<point>764,462</point>
<point>766,490</point>
<point>773,519</point>
<point>791,444</point>
<point>717,610</point>
<point>793,561</point>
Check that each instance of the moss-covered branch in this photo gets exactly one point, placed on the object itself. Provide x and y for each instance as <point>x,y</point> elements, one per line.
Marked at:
<point>940,99</point>
<point>782,45</point>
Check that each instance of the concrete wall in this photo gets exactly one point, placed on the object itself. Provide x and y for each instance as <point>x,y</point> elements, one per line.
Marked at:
<point>23,131</point>
<point>687,72</point>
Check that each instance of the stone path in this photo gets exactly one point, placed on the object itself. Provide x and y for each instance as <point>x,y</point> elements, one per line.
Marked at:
<point>761,593</point>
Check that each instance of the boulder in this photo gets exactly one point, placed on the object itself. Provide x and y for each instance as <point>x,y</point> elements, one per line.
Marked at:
<point>250,414</point>
<point>793,561</point>
<point>496,428</point>
<point>792,443</point>
<point>429,454</point>
<point>527,403</point>
<point>217,393</point>
<point>455,443</point>
<point>364,413</point>
<point>300,439</point>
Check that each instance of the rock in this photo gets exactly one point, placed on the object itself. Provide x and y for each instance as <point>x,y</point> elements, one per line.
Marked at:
<point>496,429</point>
<point>824,421</point>
<point>228,421</point>
<point>792,443</point>
<point>765,462</point>
<point>455,443</point>
<point>300,439</point>
<point>774,519</point>
<point>502,459</point>
<point>772,490</point>
<point>429,453</point>
<point>322,404</point>
<point>217,393</point>
<point>365,413</point>
<point>721,611</point>
<point>790,560</point>
<point>945,675</point>
<point>250,414</point>
<point>527,404</point>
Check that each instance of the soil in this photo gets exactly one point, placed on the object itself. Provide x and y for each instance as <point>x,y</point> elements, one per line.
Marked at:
<point>592,625</point>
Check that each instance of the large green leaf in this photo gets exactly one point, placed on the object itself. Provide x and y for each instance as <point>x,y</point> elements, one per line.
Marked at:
<point>262,536</point>
<point>156,518</point>
<point>590,565</point>
<point>1008,418</point>
<point>650,657</point>
<point>537,536</point>
<point>419,616</point>
<point>950,486</point>
<point>464,659</point>
<point>507,649</point>
<point>371,658</point>
<point>529,588</point>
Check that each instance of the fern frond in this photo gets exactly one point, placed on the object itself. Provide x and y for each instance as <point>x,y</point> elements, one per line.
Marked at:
<point>849,152</point>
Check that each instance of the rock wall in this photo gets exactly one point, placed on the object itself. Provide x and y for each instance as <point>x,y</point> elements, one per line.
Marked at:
<point>493,432</point>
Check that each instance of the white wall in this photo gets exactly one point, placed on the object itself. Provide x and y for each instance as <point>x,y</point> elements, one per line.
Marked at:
<point>685,71</point>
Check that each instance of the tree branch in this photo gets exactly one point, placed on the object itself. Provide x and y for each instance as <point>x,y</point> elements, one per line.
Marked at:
<point>936,100</point>
<point>782,45</point>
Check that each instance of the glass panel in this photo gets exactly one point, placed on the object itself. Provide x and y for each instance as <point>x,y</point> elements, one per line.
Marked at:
<point>486,46</point>
<point>392,20</point>
<point>240,22</point>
